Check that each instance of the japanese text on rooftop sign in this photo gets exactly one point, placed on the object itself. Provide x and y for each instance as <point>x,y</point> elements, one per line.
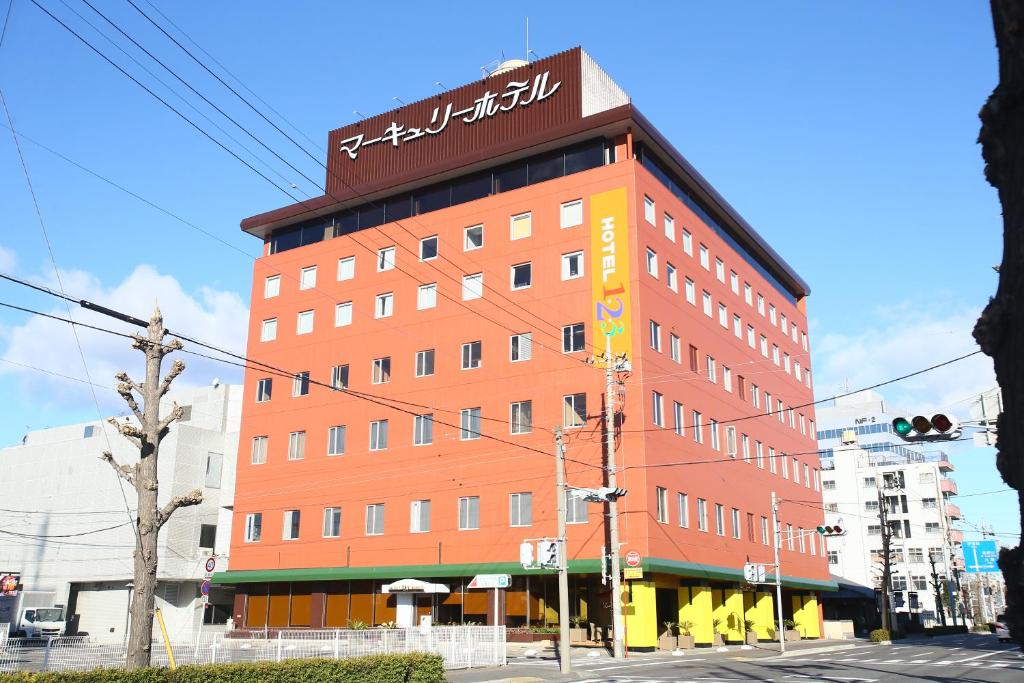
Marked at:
<point>609,266</point>
<point>517,94</point>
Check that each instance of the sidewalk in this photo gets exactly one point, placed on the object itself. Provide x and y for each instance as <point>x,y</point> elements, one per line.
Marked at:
<point>535,662</point>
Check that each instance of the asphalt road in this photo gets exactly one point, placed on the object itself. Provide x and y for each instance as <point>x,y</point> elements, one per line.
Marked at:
<point>966,659</point>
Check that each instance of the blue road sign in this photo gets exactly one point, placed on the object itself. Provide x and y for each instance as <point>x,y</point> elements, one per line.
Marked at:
<point>981,556</point>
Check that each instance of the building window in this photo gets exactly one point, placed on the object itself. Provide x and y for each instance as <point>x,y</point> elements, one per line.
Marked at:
<point>296,445</point>
<point>678,418</point>
<point>522,276</point>
<point>655,336</point>
<point>336,440</point>
<point>375,519</point>
<point>775,354</point>
<point>687,242</point>
<point>657,415</point>
<point>684,510</point>
<point>755,395</point>
<point>673,347</point>
<point>720,270</point>
<point>343,314</point>
<point>253,527</point>
<point>572,214</point>
<point>572,338</point>
<point>522,417</point>
<point>712,370</point>
<point>670,277</point>
<point>307,278</point>
<point>88,431</point>
<point>426,296</point>
<point>332,522</point>
<point>423,430</point>
<point>259,450</point>
<point>428,248</point>
<point>304,322</point>
<point>707,304</point>
<point>747,294</point>
<point>661,498</point>
<point>764,345</point>
<point>471,352</point>
<point>300,384</point>
<point>736,523</point>
<point>385,305</point>
<point>652,263</point>
<point>572,265</point>
<point>807,476</point>
<point>575,509</point>
<point>473,237</point>
<point>745,442</point>
<point>521,346</point>
<point>803,539</point>
<point>208,536</point>
<point>272,286</point>
<point>649,212</point>
<point>698,427</point>
<point>419,516</point>
<point>670,227</point>
<point>713,425</point>
<point>694,363</point>
<point>385,258</point>
<point>346,268</point>
<point>702,514</point>
<point>833,557</point>
<point>737,326</point>
<point>704,258</point>
<point>425,363</point>
<point>764,531</point>
<point>378,435</point>
<point>469,513</point>
<point>691,292</point>
<point>726,378</point>
<point>750,336</point>
<point>268,331</point>
<point>734,282</point>
<point>730,441</point>
<point>772,460</point>
<point>521,226</point>
<point>469,424</point>
<point>784,324</point>
<point>771,313</point>
<point>760,303</point>
<point>759,454</point>
<point>574,410</point>
<point>339,377</point>
<point>472,286</point>
<point>290,528</point>
<point>381,370</point>
<point>263,389</point>
<point>520,509</point>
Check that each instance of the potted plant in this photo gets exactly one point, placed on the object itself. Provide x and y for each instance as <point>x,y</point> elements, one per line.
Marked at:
<point>667,638</point>
<point>791,630</point>
<point>685,638</point>
<point>748,625</point>
<point>578,631</point>
<point>719,640</point>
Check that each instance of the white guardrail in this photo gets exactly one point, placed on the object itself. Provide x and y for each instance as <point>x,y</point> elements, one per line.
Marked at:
<point>461,647</point>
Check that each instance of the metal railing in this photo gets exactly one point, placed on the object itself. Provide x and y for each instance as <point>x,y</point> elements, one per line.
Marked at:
<point>461,647</point>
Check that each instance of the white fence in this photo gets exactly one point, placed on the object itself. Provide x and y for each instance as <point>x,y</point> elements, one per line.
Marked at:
<point>461,647</point>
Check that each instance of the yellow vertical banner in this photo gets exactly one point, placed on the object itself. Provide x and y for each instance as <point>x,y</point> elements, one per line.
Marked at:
<point>609,267</point>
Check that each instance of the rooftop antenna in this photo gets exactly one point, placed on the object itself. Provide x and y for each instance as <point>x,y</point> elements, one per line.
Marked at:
<point>527,40</point>
<point>441,85</point>
<point>359,113</point>
<point>396,99</point>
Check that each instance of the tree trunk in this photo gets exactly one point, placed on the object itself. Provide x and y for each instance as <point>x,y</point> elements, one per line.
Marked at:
<point>1000,329</point>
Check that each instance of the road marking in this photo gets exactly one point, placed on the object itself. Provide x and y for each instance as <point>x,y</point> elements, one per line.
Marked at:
<point>891,661</point>
<point>627,666</point>
<point>918,661</point>
<point>987,654</point>
<point>997,666</point>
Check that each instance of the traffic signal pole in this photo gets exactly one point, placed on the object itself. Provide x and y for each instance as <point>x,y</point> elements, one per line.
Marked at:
<point>564,659</point>
<point>613,507</point>
<point>776,543</point>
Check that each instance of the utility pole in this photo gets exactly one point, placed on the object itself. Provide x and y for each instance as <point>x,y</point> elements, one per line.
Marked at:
<point>883,517</point>
<point>564,659</point>
<point>776,543</point>
<point>613,508</point>
<point>938,590</point>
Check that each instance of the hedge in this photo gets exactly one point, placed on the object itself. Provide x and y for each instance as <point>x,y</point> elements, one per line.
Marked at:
<point>880,635</point>
<point>406,668</point>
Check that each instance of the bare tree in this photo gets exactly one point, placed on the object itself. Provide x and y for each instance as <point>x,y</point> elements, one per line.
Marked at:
<point>146,436</point>
<point>1000,329</point>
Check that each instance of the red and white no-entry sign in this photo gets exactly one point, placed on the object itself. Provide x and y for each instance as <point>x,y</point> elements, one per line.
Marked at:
<point>633,559</point>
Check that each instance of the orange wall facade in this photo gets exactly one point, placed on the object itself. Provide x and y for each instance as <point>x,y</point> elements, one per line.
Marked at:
<point>492,469</point>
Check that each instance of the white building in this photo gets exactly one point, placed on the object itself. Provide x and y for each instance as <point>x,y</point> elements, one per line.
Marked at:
<point>863,462</point>
<point>64,526</point>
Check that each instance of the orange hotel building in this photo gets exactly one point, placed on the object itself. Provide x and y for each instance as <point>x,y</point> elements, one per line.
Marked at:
<point>428,322</point>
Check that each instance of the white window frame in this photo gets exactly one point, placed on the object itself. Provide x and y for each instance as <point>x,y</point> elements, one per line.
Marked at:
<point>657,409</point>
<point>705,257</point>
<point>691,292</point>
<point>524,347</point>
<point>437,247</point>
<point>253,527</point>
<point>272,286</point>
<point>384,305</point>
<point>671,278</point>
<point>297,445</point>
<point>346,268</point>
<point>472,286</point>
<point>670,227</point>
<point>307,278</point>
<point>652,263</point>
<point>343,314</point>
<point>512,275</point>
<point>567,260</point>
<point>258,453</point>
<point>720,270</point>
<point>687,242</point>
<point>650,211</point>
<point>418,510</point>
<point>512,225</point>
<point>466,510</point>
<point>291,520</point>
<point>683,509</point>
<point>568,217</point>
<point>333,439</point>
<point>426,296</point>
<point>661,504</point>
<point>377,429</point>
<point>516,426</point>
<point>268,330</point>
<point>385,259</point>
<point>332,522</point>
<point>466,245</point>
<point>304,322</point>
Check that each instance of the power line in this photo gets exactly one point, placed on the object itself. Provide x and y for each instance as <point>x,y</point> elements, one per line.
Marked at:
<point>75,535</point>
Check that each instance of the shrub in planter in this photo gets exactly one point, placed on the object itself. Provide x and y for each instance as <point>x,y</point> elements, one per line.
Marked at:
<point>685,639</point>
<point>880,635</point>
<point>578,630</point>
<point>667,639</point>
<point>792,632</point>
<point>748,625</point>
<point>719,639</point>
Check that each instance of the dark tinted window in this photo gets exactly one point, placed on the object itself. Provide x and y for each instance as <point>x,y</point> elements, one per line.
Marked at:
<point>313,232</point>
<point>546,167</point>
<point>371,216</point>
<point>585,156</point>
<point>346,222</point>
<point>287,238</point>
<point>433,198</point>
<point>398,208</point>
<point>510,177</point>
<point>207,535</point>
<point>471,187</point>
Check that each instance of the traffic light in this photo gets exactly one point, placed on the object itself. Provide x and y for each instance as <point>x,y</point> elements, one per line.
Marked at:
<point>940,427</point>
<point>605,494</point>
<point>548,554</point>
<point>832,530</point>
<point>526,554</point>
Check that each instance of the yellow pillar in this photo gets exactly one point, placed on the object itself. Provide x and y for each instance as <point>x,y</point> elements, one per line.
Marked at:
<point>685,609</point>
<point>765,615</point>
<point>718,611</point>
<point>733,606</point>
<point>641,614</point>
<point>798,607</point>
<point>701,613</point>
<point>810,621</point>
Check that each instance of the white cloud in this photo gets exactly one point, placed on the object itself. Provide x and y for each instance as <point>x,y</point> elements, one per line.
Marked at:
<point>213,316</point>
<point>899,340</point>
<point>7,260</point>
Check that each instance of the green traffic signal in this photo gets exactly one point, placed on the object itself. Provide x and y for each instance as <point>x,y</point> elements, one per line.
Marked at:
<point>821,530</point>
<point>902,426</point>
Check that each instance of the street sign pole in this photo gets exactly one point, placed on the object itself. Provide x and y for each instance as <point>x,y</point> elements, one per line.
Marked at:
<point>781,628</point>
<point>564,658</point>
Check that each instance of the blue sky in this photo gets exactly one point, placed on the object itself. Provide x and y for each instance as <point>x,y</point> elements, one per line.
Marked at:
<point>845,133</point>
